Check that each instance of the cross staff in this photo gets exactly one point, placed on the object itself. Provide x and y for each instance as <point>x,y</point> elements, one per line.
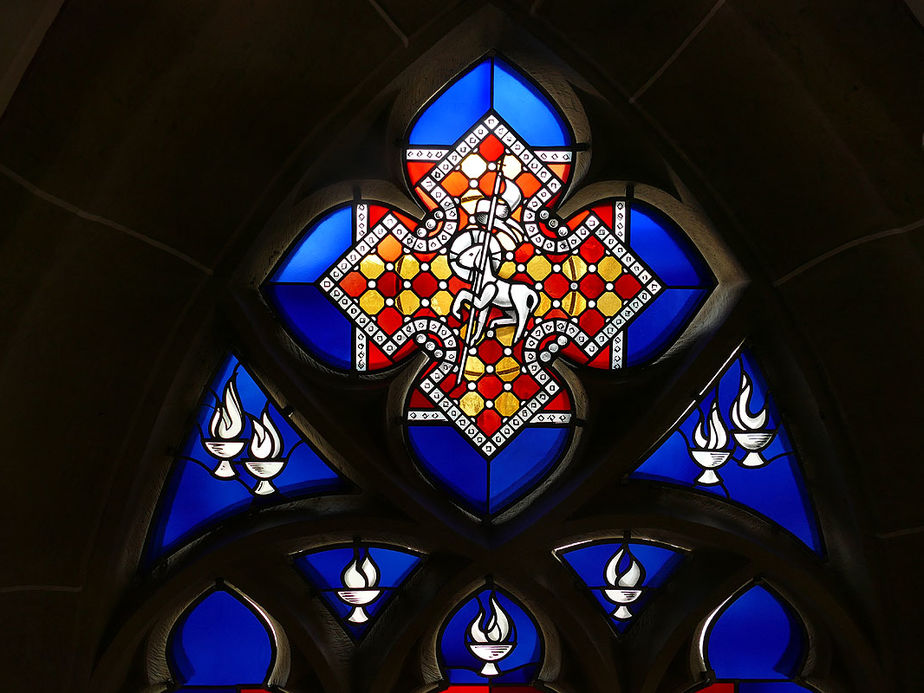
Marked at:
<point>477,285</point>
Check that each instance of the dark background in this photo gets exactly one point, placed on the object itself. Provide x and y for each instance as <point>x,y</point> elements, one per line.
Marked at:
<point>144,144</point>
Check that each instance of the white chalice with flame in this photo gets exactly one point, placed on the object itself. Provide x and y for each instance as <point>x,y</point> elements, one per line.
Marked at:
<point>490,643</point>
<point>265,461</point>
<point>360,579</point>
<point>624,583</point>
<point>225,429</point>
<point>709,453</point>
<point>752,434</point>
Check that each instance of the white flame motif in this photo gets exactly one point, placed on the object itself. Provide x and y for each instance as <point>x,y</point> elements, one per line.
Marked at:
<point>498,626</point>
<point>228,420</point>
<point>740,414</point>
<point>360,576</point>
<point>266,442</point>
<point>718,435</point>
<point>632,576</point>
<point>625,587</point>
<point>360,580</point>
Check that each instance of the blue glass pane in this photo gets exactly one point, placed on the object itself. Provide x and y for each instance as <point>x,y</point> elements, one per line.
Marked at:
<point>193,501</point>
<point>315,321</point>
<point>487,486</point>
<point>654,330</point>
<point>357,581</point>
<point>448,457</point>
<point>197,495</point>
<point>665,249</point>
<point>305,310</point>
<point>755,464</point>
<point>513,97</point>
<point>526,110</point>
<point>756,637</point>
<point>220,642</point>
<point>608,587</point>
<point>685,279</point>
<point>505,629</point>
<point>525,461</point>
<point>770,687</point>
<point>323,243</point>
<point>456,109</point>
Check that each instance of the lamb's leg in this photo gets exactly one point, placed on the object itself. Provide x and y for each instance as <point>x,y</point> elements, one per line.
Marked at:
<point>482,323</point>
<point>483,303</point>
<point>460,299</point>
<point>524,305</point>
<point>506,319</point>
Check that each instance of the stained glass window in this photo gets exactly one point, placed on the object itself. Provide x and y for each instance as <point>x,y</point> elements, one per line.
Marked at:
<point>470,366</point>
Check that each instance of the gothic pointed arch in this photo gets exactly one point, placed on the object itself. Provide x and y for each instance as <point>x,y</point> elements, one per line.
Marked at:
<point>493,420</point>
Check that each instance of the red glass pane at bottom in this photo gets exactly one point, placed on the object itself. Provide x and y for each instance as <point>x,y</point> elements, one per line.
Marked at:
<point>221,689</point>
<point>492,689</point>
<point>719,688</point>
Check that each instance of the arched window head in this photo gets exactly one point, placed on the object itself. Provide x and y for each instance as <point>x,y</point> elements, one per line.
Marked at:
<point>222,645</point>
<point>512,371</point>
<point>754,643</point>
<point>490,639</point>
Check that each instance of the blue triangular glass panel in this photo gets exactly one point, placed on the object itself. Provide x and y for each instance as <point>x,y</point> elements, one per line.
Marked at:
<point>356,581</point>
<point>734,444</point>
<point>241,452</point>
<point>621,575</point>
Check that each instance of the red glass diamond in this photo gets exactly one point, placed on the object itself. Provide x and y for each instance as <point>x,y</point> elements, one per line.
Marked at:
<point>555,286</point>
<point>627,286</point>
<point>424,285</point>
<point>489,421</point>
<point>591,285</point>
<point>354,284</point>
<point>490,386</point>
<point>491,148</point>
<point>591,250</point>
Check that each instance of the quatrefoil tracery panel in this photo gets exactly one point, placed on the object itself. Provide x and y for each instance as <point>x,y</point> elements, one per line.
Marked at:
<point>492,285</point>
